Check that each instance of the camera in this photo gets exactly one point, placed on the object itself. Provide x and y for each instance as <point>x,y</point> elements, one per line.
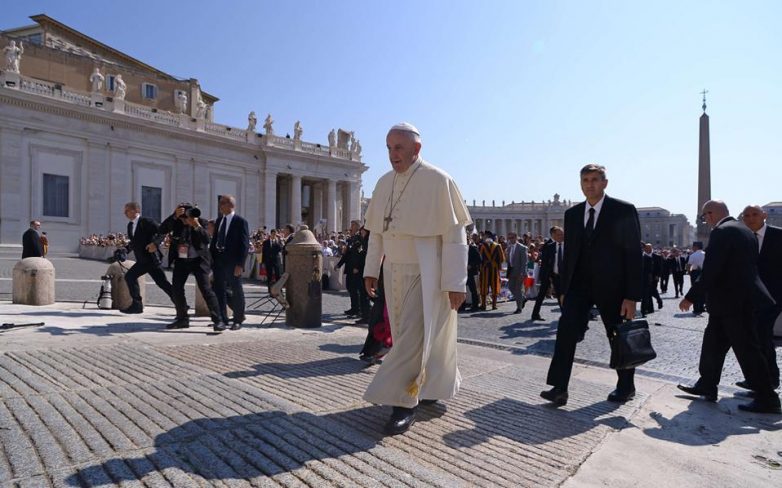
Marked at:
<point>190,211</point>
<point>119,256</point>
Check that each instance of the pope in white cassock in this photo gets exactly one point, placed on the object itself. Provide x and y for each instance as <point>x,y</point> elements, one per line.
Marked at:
<point>417,220</point>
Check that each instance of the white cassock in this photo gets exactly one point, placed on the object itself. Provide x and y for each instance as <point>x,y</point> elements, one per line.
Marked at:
<point>425,249</point>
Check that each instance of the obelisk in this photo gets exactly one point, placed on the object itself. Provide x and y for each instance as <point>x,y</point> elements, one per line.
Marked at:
<point>704,172</point>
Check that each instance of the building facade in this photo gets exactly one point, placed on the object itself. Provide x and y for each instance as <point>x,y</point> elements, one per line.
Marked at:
<point>659,227</point>
<point>85,128</point>
<point>774,211</point>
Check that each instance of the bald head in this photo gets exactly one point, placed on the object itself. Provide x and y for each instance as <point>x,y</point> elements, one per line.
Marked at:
<point>714,211</point>
<point>754,217</point>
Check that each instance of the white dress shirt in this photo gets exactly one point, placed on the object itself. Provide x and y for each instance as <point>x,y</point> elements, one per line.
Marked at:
<point>559,245</point>
<point>761,233</point>
<point>226,222</point>
<point>135,224</point>
<point>598,206</point>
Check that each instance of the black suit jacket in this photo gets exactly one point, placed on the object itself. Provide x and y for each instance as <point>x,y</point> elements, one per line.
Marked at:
<point>647,269</point>
<point>146,230</point>
<point>615,267</point>
<point>31,244</point>
<point>548,254</point>
<point>770,262</point>
<point>729,279</point>
<point>237,241</point>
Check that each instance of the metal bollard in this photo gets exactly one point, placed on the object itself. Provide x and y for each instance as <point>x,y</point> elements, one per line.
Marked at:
<point>304,262</point>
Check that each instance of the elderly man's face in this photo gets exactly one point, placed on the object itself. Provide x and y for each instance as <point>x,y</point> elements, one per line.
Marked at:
<point>754,218</point>
<point>402,150</point>
<point>593,186</point>
<point>226,206</point>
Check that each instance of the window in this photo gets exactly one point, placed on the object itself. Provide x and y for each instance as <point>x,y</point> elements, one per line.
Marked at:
<point>55,195</point>
<point>36,39</point>
<point>110,83</point>
<point>149,91</point>
<point>152,202</point>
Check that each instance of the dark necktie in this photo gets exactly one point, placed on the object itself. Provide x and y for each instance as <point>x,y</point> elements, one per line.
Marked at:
<point>221,235</point>
<point>130,230</point>
<point>590,227</point>
<point>559,257</point>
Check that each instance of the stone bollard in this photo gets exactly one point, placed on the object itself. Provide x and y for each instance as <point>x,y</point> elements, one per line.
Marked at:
<point>120,295</point>
<point>33,282</point>
<point>201,308</point>
<point>304,262</point>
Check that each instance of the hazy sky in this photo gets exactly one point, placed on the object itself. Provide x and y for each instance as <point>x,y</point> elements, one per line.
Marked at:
<point>511,97</point>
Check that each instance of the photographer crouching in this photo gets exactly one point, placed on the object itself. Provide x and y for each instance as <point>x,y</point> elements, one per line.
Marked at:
<point>141,231</point>
<point>189,251</point>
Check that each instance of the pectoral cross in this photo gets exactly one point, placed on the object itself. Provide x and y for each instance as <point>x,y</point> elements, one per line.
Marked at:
<point>386,222</point>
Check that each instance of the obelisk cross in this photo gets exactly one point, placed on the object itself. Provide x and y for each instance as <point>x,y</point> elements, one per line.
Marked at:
<point>704,92</point>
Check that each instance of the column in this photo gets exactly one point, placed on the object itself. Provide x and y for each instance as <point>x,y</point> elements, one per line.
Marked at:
<point>270,199</point>
<point>295,208</point>
<point>353,202</point>
<point>344,192</point>
<point>317,203</point>
<point>331,205</point>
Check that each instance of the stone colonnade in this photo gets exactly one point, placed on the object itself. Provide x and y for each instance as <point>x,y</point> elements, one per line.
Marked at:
<point>500,226</point>
<point>296,199</point>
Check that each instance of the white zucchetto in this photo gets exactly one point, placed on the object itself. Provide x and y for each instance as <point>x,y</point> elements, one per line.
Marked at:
<point>405,127</point>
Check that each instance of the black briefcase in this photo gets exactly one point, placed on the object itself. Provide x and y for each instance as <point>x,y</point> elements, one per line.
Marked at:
<point>631,345</point>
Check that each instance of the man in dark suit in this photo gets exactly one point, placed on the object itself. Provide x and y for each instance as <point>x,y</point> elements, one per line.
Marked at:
<point>657,272</point>
<point>678,266</point>
<point>229,251</point>
<point>270,252</point>
<point>602,267</point>
<point>551,264</point>
<point>473,267</point>
<point>517,270</point>
<point>770,271</point>
<point>647,277</point>
<point>736,297</point>
<point>665,270</point>
<point>141,232</point>
<point>189,253</point>
<point>31,241</point>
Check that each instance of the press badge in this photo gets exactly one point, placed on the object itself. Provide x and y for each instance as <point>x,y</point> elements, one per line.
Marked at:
<point>182,251</point>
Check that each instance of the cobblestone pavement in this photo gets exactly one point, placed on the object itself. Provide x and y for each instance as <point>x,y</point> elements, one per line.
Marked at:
<point>676,336</point>
<point>272,407</point>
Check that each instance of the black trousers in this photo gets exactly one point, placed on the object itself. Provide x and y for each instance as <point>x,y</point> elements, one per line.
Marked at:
<point>155,271</point>
<point>678,283</point>
<point>572,326</point>
<point>184,268</point>
<point>765,330</point>
<point>359,300</point>
<point>664,282</point>
<point>224,278</point>
<point>272,272</point>
<point>737,330</point>
<point>476,301</point>
<point>546,280</point>
<point>699,306</point>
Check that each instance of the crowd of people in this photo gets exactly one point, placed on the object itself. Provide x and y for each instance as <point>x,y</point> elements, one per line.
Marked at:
<point>409,267</point>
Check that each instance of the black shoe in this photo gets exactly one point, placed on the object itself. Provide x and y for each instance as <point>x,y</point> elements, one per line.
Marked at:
<point>134,307</point>
<point>746,394</point>
<point>351,312</point>
<point>518,310</point>
<point>238,320</point>
<point>219,326</point>
<point>426,402</point>
<point>556,395</point>
<point>770,405</point>
<point>179,323</point>
<point>709,395</point>
<point>401,420</point>
<point>743,384</point>
<point>236,326</point>
<point>619,396</point>
<point>659,305</point>
<point>362,321</point>
<point>537,317</point>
